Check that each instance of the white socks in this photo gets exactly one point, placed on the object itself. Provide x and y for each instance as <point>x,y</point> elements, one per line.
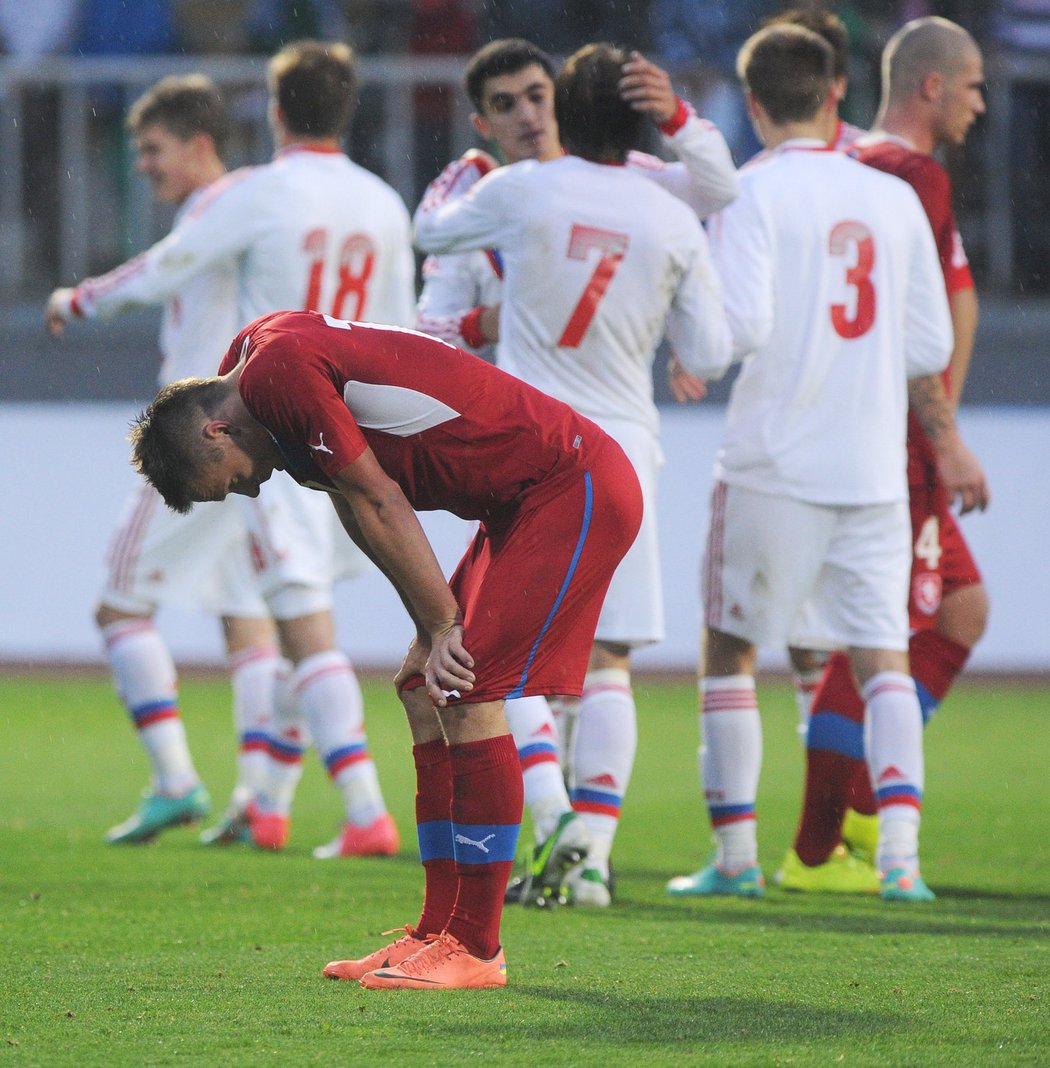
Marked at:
<point>144,678</point>
<point>730,763</point>
<point>253,674</point>
<point>330,697</point>
<point>606,738</point>
<point>893,742</point>
<point>536,736</point>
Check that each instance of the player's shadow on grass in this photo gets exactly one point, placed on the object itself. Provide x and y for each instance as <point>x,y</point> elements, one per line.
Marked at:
<point>625,1020</point>
<point>957,913</point>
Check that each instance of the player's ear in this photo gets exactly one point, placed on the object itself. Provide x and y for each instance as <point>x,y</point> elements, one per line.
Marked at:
<point>931,86</point>
<point>482,128</point>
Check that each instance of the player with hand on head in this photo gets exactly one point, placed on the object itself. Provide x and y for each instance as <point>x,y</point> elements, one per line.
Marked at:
<point>597,259</point>
<point>810,498</point>
<point>310,229</point>
<point>932,94</point>
<point>511,85</point>
<point>412,423</point>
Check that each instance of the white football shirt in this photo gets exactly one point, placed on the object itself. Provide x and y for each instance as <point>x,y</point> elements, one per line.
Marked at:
<point>312,230</point>
<point>597,259</point>
<point>835,298</point>
<point>456,283</point>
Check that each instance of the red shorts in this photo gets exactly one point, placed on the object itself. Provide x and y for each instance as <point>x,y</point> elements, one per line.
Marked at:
<point>941,559</point>
<point>532,583</point>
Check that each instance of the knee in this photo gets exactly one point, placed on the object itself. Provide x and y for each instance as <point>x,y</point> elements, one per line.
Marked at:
<point>963,617</point>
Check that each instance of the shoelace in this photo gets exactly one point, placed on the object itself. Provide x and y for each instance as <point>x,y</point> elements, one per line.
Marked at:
<point>432,955</point>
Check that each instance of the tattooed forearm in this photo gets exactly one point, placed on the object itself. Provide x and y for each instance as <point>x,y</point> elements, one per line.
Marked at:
<point>932,406</point>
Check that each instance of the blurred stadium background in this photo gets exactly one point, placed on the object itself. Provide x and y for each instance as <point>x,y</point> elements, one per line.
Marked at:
<point>70,205</point>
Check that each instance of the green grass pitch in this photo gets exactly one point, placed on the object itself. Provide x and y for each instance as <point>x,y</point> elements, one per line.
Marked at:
<point>172,954</point>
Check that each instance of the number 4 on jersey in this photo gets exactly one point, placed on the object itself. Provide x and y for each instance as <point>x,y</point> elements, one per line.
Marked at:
<point>928,543</point>
<point>611,247</point>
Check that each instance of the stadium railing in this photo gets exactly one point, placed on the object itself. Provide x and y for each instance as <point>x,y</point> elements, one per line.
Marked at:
<point>69,112</point>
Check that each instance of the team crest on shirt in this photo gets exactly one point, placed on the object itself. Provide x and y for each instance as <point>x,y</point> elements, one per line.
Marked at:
<point>926,593</point>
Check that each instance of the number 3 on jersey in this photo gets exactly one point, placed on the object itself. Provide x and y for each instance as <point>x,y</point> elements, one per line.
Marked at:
<point>611,247</point>
<point>847,236</point>
<point>354,265</point>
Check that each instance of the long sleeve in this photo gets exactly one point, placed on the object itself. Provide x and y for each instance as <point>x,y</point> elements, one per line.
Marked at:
<point>221,223</point>
<point>476,220</point>
<point>742,257</point>
<point>705,178</point>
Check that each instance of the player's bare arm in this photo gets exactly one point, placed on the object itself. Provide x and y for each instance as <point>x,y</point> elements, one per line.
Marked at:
<point>964,323</point>
<point>389,525</point>
<point>648,88</point>
<point>488,323</point>
<point>963,477</point>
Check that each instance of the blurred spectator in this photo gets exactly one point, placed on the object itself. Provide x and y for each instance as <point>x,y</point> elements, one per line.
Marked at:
<point>29,31</point>
<point>1023,27</point>
<point>697,40</point>
<point>212,26</point>
<point>271,24</point>
<point>439,27</point>
<point>560,26</point>
<point>37,29</point>
<point>126,27</point>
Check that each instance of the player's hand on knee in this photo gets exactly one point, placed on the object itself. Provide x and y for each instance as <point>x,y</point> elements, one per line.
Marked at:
<point>414,665</point>
<point>449,665</point>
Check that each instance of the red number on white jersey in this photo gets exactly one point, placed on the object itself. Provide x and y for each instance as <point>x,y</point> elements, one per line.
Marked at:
<point>356,261</point>
<point>844,237</point>
<point>611,246</point>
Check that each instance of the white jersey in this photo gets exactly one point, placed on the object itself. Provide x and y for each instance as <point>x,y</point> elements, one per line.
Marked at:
<point>456,283</point>
<point>835,297</point>
<point>597,259</point>
<point>311,230</point>
<point>198,317</point>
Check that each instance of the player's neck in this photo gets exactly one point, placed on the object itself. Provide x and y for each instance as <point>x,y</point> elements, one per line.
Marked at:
<point>901,122</point>
<point>774,136</point>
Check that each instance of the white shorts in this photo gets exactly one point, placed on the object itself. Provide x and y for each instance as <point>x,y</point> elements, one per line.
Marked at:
<point>633,611</point>
<point>196,561</point>
<point>279,554</point>
<point>299,547</point>
<point>768,555</point>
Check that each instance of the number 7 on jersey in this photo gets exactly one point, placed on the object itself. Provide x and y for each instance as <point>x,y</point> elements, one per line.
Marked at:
<point>611,247</point>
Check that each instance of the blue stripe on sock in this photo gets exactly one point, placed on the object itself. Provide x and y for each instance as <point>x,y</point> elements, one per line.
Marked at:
<point>336,755</point>
<point>902,790</point>
<point>588,506</point>
<point>927,702</point>
<point>253,736</point>
<point>435,840</point>
<point>836,734</point>
<point>280,747</point>
<point>536,747</point>
<point>484,843</point>
<point>597,797</point>
<point>727,812</point>
<point>144,711</point>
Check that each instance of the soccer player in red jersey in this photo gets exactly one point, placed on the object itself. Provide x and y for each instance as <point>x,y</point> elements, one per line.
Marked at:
<point>388,421</point>
<point>932,94</point>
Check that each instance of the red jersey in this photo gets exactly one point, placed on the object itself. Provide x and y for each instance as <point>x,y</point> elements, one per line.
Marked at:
<point>933,186</point>
<point>453,431</point>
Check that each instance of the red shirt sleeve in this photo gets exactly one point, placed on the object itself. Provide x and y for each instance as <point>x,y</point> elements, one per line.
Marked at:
<point>930,181</point>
